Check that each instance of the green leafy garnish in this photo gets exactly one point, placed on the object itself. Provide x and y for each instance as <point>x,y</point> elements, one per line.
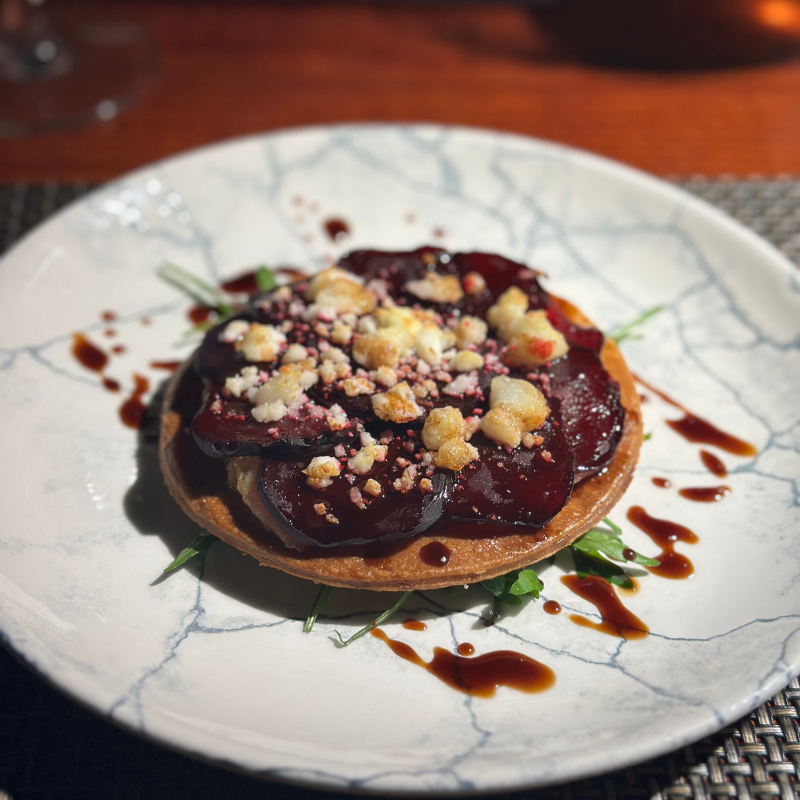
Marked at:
<point>647,437</point>
<point>586,565</point>
<point>198,547</point>
<point>265,279</point>
<point>196,288</point>
<point>377,621</point>
<point>589,552</point>
<point>322,596</point>
<point>597,543</point>
<point>510,588</point>
<point>627,331</point>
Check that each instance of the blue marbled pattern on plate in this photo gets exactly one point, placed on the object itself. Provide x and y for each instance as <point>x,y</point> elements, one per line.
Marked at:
<point>213,660</point>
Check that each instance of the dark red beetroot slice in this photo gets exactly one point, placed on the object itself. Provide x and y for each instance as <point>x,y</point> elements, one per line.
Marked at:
<point>521,487</point>
<point>230,430</point>
<point>399,268</point>
<point>284,493</point>
<point>591,412</point>
<point>361,405</point>
<point>395,268</point>
<point>499,273</point>
<point>576,336</point>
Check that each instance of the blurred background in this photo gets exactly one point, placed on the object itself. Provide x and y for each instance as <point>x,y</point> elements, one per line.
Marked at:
<point>91,88</point>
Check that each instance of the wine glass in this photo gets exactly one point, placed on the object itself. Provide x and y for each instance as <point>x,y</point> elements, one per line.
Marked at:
<point>62,67</point>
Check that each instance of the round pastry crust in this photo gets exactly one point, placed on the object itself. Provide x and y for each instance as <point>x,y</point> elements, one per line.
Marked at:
<point>200,485</point>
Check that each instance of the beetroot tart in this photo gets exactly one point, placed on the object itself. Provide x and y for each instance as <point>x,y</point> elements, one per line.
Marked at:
<point>402,421</point>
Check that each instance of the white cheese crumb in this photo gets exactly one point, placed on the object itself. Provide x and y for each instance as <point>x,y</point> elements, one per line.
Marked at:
<point>398,404</point>
<point>321,471</point>
<point>236,329</point>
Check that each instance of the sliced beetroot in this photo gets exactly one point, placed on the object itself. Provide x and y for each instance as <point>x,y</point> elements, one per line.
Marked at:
<point>393,515</point>
<point>360,406</point>
<point>576,336</point>
<point>499,273</point>
<point>218,360</point>
<point>399,268</point>
<point>396,268</point>
<point>525,486</point>
<point>225,427</point>
<point>591,411</point>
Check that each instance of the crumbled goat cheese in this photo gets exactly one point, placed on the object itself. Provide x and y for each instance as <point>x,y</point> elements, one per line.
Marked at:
<point>261,343</point>
<point>336,418</point>
<point>398,404</point>
<point>474,283</point>
<point>321,471</point>
<point>239,384</point>
<point>236,329</point>
<point>373,487</point>
<point>515,407</point>
<point>470,331</point>
<point>336,356</point>
<point>455,454</point>
<point>385,376</point>
<point>341,333</point>
<point>532,341</point>
<point>353,387</point>
<point>466,361</point>
<point>436,288</point>
<point>405,483</point>
<point>431,342</point>
<point>363,461</point>
<point>511,305</point>
<point>294,352</point>
<point>440,425</point>
<point>463,386</point>
<point>379,349</point>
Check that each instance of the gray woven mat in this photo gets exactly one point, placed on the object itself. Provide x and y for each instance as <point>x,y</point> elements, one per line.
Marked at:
<point>52,750</point>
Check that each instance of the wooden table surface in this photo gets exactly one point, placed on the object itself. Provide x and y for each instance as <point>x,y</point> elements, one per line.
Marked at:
<point>231,69</point>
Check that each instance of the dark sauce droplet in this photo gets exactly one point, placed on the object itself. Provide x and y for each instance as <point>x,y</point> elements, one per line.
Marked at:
<point>146,321</point>
<point>662,483</point>
<point>111,384</point>
<point>665,533</point>
<point>119,349</point>
<point>700,431</point>
<point>337,229</point>
<point>479,676</point>
<point>465,649</point>
<point>552,607</point>
<point>200,314</point>
<point>435,554</point>
<point>169,366</point>
<point>292,273</point>
<point>131,412</point>
<point>705,494</point>
<point>88,354</point>
<point>629,554</point>
<point>109,316</point>
<point>109,332</point>
<point>695,429</point>
<point>241,284</point>
<point>415,625</point>
<point>617,620</point>
<point>713,464</point>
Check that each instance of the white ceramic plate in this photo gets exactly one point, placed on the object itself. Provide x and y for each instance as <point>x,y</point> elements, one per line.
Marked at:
<point>219,666</point>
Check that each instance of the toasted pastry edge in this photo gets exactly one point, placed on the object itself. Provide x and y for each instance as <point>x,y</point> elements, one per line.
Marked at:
<point>207,498</point>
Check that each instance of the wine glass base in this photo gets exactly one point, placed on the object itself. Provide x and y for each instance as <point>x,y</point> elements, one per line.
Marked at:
<point>102,68</point>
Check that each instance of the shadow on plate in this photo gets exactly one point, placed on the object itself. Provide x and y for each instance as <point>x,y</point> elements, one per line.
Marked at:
<point>153,511</point>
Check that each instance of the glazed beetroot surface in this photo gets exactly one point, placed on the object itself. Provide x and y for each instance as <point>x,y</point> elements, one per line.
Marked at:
<point>526,486</point>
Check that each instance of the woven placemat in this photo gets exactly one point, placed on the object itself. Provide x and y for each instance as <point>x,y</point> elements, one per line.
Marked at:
<point>50,749</point>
